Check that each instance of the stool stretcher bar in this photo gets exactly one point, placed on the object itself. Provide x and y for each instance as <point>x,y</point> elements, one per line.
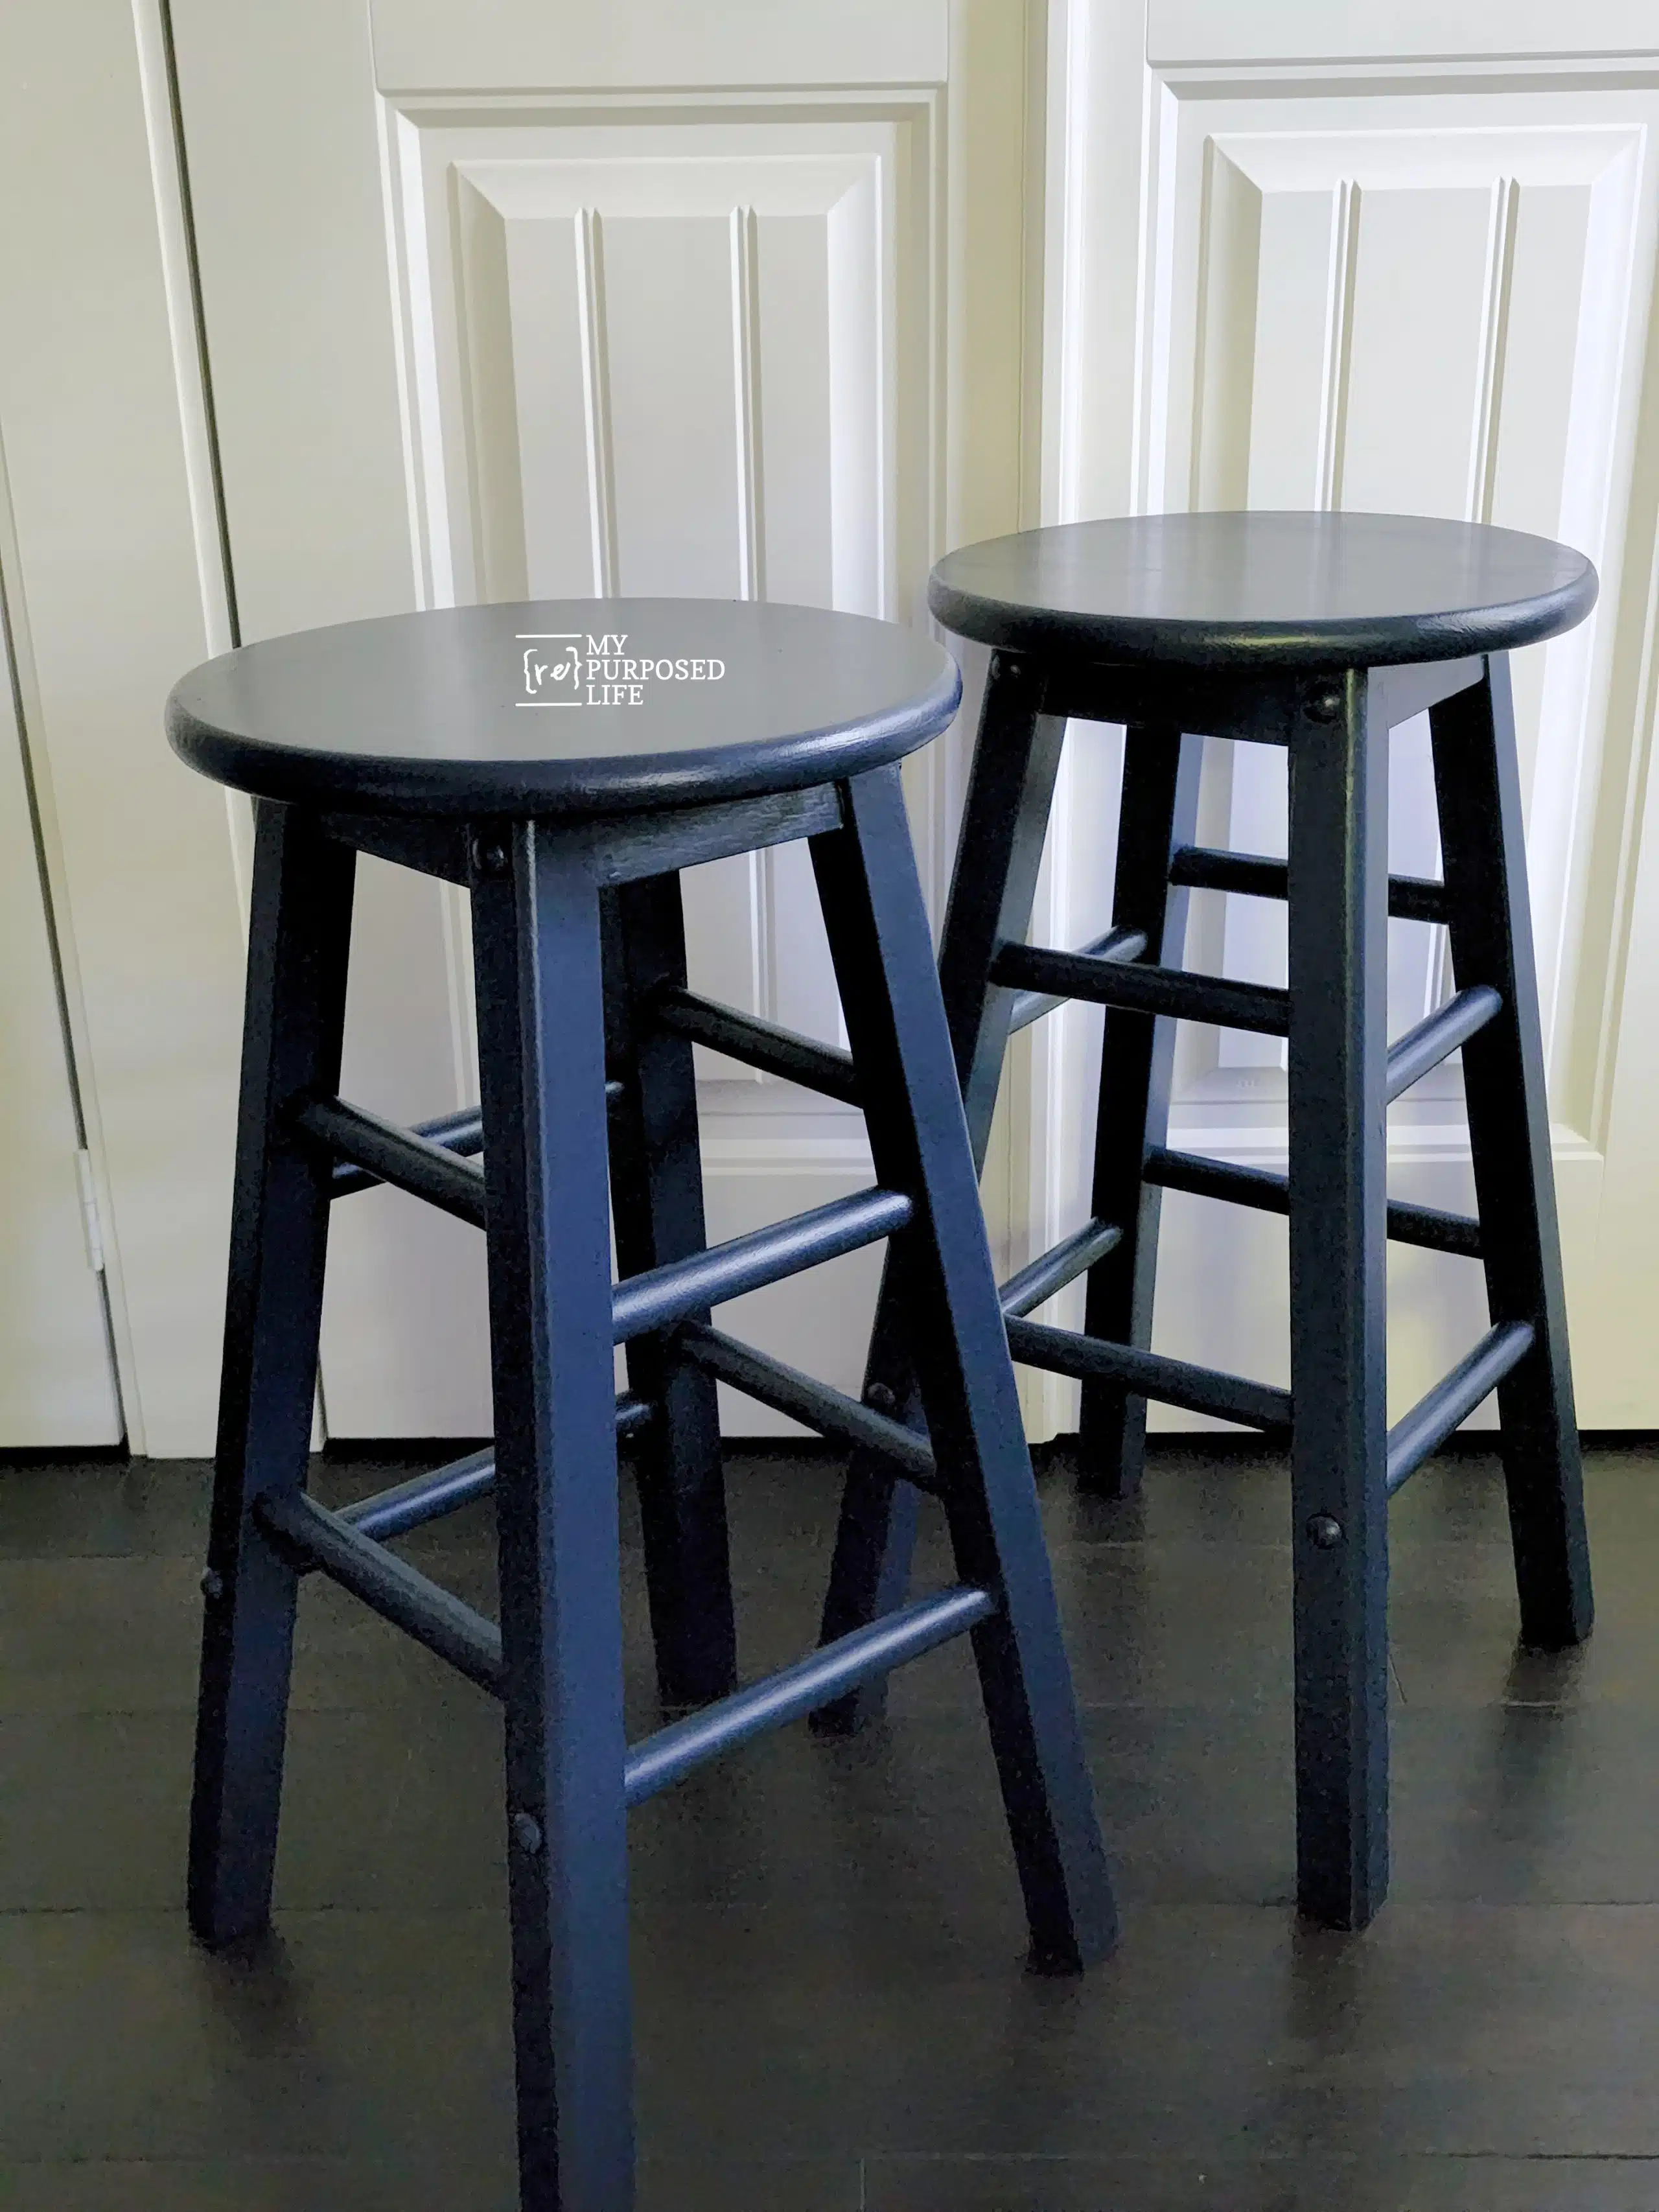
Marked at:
<point>1427,1225</point>
<point>1116,944</point>
<point>402,1157</point>
<point>314,1537</point>
<point>828,1673</point>
<point>1455,1396</point>
<point>777,1051</point>
<point>472,1644</point>
<point>1149,1374</point>
<point>1185,997</point>
<point>832,1413</point>
<point>804,1398</point>
<point>1074,1256</point>
<point>1200,867</point>
<point>1144,989</point>
<point>659,1296</point>
<point>1439,1036</point>
<point>461,1134</point>
<point>425,1498</point>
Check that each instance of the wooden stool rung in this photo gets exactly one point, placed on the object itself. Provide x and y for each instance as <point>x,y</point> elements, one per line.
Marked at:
<point>1150,1375</point>
<point>827,1674</point>
<point>804,1398</point>
<point>314,1537</point>
<point>1047,1275</point>
<point>1200,867</point>
<point>402,1158</point>
<point>461,1134</point>
<point>760,1044</point>
<point>424,1497</point>
<point>1412,1057</point>
<point>659,1296</point>
<point>1427,1225</point>
<point>1116,944</point>
<point>1456,1394</point>
<point>1145,989</point>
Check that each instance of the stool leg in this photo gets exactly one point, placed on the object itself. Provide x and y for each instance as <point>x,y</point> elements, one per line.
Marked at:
<point>1477,788</point>
<point>879,937</point>
<point>540,996</point>
<point>299,942</point>
<point>1158,811</point>
<point>1000,852</point>
<point>1339,866</point>
<point>656,1196</point>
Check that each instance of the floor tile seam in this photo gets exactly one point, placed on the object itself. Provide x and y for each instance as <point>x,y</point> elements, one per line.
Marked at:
<point>60,1557</point>
<point>1150,1909</point>
<point>213,2161</point>
<point>1060,1547</point>
<point>187,1712</point>
<point>1161,2160</point>
<point>831,1913</point>
<point>1419,1704</point>
<point>163,1915</point>
<point>1265,2157</point>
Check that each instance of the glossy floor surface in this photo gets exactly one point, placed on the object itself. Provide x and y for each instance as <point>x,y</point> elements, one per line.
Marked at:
<point>831,2009</point>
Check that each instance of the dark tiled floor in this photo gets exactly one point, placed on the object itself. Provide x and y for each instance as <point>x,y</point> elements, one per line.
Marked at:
<point>830,2006</point>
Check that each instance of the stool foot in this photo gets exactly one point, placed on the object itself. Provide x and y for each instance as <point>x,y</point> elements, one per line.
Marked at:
<point>299,935</point>
<point>1482,841</point>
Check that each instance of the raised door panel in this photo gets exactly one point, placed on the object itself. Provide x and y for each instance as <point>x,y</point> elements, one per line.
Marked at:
<point>1404,320</point>
<point>660,360</point>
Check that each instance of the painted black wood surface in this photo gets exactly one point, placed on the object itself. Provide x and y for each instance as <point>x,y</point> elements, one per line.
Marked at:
<point>588,1108</point>
<point>1263,590</point>
<point>1317,633</point>
<point>537,707</point>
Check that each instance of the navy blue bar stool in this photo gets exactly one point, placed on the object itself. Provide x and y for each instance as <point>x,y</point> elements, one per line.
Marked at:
<point>1319,632</point>
<point>731,727</point>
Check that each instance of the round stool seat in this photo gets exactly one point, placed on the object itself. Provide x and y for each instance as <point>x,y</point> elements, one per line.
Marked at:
<point>563,706</point>
<point>1218,591</point>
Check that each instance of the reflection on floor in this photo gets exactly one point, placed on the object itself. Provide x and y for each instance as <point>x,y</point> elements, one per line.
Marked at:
<point>831,2012</point>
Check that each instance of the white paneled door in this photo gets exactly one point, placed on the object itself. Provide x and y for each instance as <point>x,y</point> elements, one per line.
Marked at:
<point>56,1372</point>
<point>1411,270</point>
<point>503,300</point>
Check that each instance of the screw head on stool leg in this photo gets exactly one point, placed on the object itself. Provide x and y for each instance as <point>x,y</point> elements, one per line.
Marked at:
<point>1325,705</point>
<point>1325,1530</point>
<point>527,1834</point>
